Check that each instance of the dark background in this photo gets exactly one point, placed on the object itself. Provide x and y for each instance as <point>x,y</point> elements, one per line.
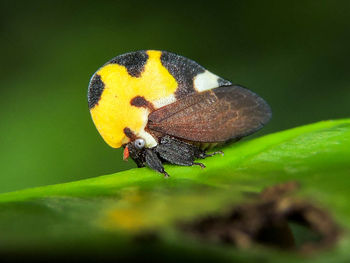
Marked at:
<point>295,54</point>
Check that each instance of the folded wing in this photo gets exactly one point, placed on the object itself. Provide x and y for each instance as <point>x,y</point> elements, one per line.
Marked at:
<point>215,115</point>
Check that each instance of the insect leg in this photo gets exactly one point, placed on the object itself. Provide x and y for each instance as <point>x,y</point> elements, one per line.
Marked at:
<point>204,155</point>
<point>178,152</point>
<point>200,164</point>
<point>153,162</point>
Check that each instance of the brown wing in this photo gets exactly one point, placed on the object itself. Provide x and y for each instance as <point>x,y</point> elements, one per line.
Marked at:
<point>215,115</point>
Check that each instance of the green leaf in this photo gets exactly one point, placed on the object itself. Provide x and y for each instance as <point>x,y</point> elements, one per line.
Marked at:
<point>109,215</point>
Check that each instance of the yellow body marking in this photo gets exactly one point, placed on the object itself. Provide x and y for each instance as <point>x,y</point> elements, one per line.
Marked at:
<point>113,112</point>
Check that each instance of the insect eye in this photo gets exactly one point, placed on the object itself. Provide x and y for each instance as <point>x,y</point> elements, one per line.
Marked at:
<point>139,143</point>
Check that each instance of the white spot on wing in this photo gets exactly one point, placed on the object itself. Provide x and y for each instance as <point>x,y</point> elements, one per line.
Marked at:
<point>205,81</point>
<point>164,101</point>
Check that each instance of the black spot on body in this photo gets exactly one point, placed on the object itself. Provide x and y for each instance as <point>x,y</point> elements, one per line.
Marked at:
<point>95,90</point>
<point>139,101</point>
<point>183,70</point>
<point>129,133</point>
<point>134,62</point>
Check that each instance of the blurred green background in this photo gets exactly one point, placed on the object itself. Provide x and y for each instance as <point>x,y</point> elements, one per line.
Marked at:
<point>295,54</point>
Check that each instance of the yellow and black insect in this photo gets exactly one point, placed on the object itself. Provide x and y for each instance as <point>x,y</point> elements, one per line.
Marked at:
<point>162,107</point>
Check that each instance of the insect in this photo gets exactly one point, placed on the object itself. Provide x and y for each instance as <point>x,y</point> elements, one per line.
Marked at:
<point>162,107</point>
